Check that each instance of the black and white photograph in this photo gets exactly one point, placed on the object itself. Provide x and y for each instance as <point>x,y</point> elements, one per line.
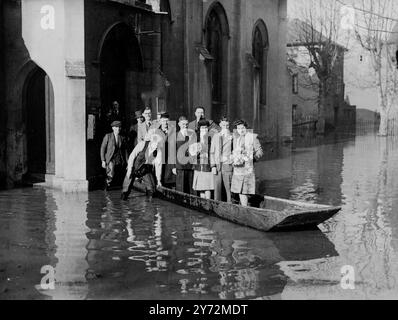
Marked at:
<point>207,153</point>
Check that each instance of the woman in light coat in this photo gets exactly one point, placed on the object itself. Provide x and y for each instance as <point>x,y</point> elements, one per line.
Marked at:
<point>247,148</point>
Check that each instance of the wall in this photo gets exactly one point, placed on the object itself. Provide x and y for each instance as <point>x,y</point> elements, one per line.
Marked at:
<point>3,121</point>
<point>306,99</point>
<point>241,16</point>
<point>16,57</point>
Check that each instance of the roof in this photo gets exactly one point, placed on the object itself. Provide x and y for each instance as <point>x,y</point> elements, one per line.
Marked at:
<point>296,34</point>
<point>394,35</point>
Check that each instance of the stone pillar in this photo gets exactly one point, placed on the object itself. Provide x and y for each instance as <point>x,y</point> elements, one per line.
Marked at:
<point>284,109</point>
<point>75,100</point>
<point>74,159</point>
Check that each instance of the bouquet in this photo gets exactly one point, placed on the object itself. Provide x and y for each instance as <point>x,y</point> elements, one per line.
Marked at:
<point>195,149</point>
<point>240,157</point>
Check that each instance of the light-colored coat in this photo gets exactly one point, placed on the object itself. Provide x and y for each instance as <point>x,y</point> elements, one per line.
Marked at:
<point>221,151</point>
<point>142,129</point>
<point>156,162</point>
<point>252,146</point>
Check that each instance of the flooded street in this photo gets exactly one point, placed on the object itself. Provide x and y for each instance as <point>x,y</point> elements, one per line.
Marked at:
<point>103,248</point>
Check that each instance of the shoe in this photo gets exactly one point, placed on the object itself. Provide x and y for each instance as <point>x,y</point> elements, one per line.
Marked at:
<point>124,196</point>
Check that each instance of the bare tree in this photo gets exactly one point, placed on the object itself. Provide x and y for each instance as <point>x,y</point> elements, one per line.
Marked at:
<point>374,28</point>
<point>318,30</point>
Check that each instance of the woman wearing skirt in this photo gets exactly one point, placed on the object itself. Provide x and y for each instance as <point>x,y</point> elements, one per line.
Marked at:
<point>246,149</point>
<point>203,178</point>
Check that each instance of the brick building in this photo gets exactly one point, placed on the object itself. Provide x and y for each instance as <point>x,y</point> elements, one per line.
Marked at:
<point>66,61</point>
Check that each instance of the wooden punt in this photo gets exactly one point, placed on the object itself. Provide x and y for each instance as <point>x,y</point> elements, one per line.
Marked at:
<point>264,213</point>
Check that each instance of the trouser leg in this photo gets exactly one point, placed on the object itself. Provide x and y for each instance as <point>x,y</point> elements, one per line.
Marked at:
<point>189,181</point>
<point>119,174</point>
<point>184,181</point>
<point>180,180</point>
<point>227,178</point>
<point>149,183</point>
<point>244,199</point>
<point>128,184</point>
<point>218,186</point>
<point>110,172</point>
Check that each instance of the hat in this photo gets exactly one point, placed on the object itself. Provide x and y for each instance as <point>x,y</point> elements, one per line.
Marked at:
<point>138,114</point>
<point>164,115</point>
<point>116,124</point>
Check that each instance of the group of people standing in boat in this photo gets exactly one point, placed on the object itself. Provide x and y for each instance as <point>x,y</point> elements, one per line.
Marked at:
<point>200,157</point>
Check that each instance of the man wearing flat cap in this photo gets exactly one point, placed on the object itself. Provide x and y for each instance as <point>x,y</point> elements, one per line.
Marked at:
<point>113,153</point>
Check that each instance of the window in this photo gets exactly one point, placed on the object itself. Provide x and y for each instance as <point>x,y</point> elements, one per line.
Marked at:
<point>295,84</point>
<point>214,46</point>
<point>216,41</point>
<point>294,113</point>
<point>260,52</point>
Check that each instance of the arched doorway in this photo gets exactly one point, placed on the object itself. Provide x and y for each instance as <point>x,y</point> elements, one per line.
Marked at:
<point>120,57</point>
<point>217,39</point>
<point>39,120</point>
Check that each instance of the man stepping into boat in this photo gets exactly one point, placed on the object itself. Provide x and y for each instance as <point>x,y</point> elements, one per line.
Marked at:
<point>145,158</point>
<point>221,159</point>
<point>247,148</point>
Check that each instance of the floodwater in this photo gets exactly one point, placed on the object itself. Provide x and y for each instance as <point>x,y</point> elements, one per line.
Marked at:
<point>103,248</point>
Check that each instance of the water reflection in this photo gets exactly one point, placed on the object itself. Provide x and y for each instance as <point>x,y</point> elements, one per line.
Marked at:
<point>69,256</point>
<point>185,254</point>
<point>26,242</point>
<point>104,248</point>
<point>360,176</point>
<point>42,228</point>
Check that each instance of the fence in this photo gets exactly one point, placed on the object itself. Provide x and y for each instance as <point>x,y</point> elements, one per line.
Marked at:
<point>367,126</point>
<point>304,125</point>
<point>392,127</point>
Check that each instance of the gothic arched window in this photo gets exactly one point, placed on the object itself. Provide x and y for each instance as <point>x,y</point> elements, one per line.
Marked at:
<point>260,52</point>
<point>258,58</point>
<point>216,40</point>
<point>214,46</point>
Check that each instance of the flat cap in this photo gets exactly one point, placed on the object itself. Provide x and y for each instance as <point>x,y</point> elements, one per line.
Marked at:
<point>116,124</point>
